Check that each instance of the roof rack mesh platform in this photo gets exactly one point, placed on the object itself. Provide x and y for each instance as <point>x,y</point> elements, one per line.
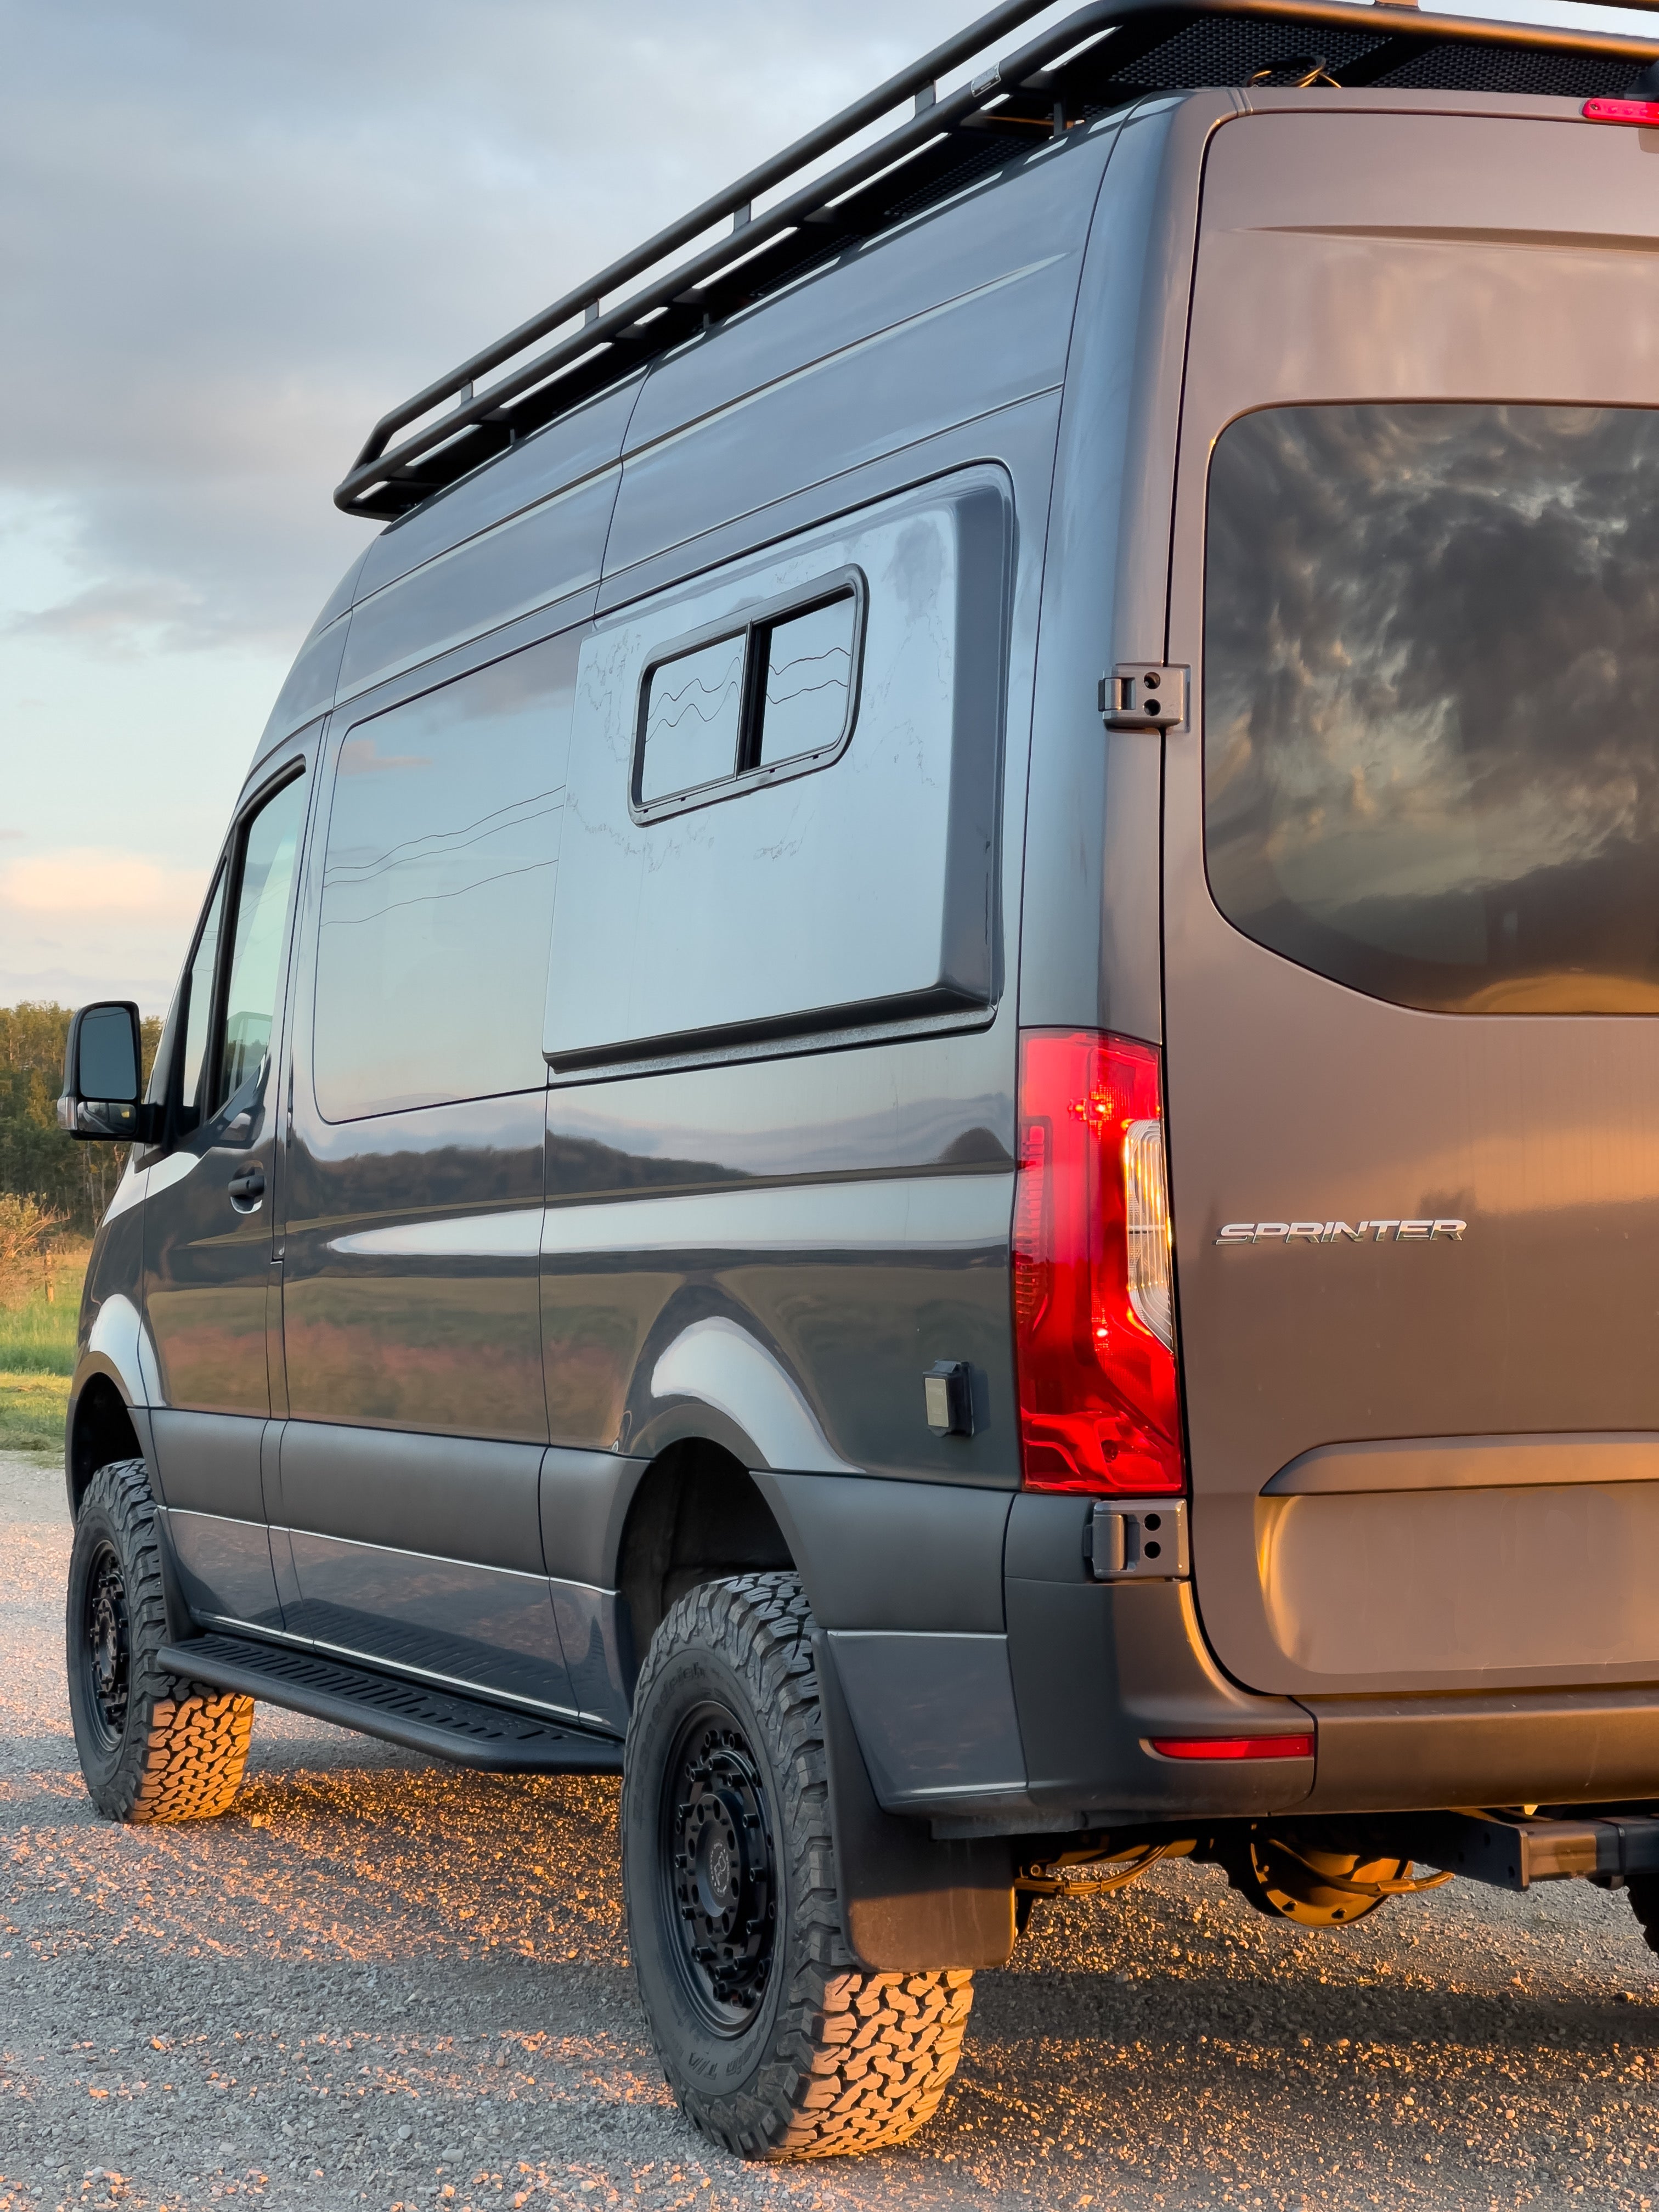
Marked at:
<point>1101,58</point>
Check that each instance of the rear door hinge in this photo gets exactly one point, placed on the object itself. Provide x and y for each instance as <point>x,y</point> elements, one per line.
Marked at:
<point>1143,694</point>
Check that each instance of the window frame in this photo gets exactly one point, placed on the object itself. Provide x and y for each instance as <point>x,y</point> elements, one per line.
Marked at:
<point>165,1085</point>
<point>749,773</point>
<point>267,794</point>
<point>236,860</point>
<point>228,866</point>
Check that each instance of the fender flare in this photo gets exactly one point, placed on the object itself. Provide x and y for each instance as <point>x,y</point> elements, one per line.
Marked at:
<point>114,1353</point>
<point>718,1380</point>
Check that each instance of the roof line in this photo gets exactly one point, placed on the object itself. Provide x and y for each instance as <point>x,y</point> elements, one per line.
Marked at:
<point>381,481</point>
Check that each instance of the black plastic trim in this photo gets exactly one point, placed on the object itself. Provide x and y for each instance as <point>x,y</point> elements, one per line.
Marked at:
<point>468,1731</point>
<point>908,1902</point>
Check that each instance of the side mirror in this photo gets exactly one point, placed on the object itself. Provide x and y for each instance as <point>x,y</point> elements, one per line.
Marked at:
<point>102,1075</point>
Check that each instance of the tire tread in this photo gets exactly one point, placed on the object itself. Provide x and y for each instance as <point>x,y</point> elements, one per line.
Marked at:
<point>860,2061</point>
<point>186,1743</point>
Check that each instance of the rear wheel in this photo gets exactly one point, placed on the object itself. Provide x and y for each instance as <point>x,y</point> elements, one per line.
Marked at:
<point>1642,1890</point>
<point>152,1746</point>
<point>773,2042</point>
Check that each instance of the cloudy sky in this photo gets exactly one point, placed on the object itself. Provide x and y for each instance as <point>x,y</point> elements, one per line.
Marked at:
<point>229,238</point>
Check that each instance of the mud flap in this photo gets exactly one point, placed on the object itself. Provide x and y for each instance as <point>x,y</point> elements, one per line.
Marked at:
<point>908,1903</point>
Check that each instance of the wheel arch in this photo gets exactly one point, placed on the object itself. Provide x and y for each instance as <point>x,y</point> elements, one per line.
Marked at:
<point>696,1516</point>
<point>716,1374</point>
<point>103,1424</point>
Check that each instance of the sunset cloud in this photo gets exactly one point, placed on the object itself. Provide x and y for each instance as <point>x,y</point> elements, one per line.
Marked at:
<point>94,921</point>
<point>98,880</point>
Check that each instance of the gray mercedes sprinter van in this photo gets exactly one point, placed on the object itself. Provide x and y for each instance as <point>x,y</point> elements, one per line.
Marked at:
<point>765,1172</point>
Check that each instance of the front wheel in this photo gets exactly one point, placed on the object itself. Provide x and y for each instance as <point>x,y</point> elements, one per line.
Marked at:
<point>773,2041</point>
<point>152,1747</point>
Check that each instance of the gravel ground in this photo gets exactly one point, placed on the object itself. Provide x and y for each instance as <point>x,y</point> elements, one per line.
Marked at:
<point>380,1981</point>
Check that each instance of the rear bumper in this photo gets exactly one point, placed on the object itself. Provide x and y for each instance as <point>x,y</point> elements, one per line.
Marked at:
<point>996,1688</point>
<point>1503,1747</point>
<point>1037,1710</point>
<point>1097,1672</point>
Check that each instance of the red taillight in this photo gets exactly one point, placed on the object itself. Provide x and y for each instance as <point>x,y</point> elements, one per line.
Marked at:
<point>1642,113</point>
<point>1233,1747</point>
<point>1093,1332</point>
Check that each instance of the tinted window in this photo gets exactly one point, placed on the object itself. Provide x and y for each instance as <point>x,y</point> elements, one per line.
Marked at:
<point>809,681</point>
<point>1431,714</point>
<point>438,890</point>
<point>271,844</point>
<point>779,691</point>
<point>198,1023</point>
<point>693,709</point>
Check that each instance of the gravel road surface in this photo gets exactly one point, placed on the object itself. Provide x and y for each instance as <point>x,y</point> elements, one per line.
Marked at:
<point>380,1981</point>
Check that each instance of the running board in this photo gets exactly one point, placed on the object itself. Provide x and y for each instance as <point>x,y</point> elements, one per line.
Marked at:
<point>470,1731</point>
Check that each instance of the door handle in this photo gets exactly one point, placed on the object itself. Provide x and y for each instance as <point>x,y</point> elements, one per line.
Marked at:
<point>247,1188</point>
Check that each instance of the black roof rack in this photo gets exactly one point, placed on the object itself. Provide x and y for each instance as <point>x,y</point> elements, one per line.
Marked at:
<point>1103,56</point>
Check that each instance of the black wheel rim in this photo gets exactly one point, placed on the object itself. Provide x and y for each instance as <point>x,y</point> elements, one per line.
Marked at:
<point>105,1645</point>
<point>719,1868</point>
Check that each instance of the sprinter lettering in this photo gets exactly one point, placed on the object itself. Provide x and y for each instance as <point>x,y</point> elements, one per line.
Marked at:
<point>1380,1230</point>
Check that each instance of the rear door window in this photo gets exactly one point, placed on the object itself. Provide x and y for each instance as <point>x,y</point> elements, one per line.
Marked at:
<point>1431,700</point>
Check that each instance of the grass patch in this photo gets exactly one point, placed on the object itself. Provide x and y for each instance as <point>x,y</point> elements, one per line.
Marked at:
<point>37,1358</point>
<point>33,1408</point>
<point>37,1338</point>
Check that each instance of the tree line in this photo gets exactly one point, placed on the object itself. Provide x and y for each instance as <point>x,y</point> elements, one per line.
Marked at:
<point>37,1160</point>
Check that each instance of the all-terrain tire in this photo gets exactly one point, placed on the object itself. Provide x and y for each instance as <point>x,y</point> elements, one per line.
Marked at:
<point>1642,1890</point>
<point>153,1746</point>
<point>778,2045</point>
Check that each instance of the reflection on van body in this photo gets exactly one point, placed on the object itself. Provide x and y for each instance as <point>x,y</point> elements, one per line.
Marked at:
<point>437,890</point>
<point>1432,645</point>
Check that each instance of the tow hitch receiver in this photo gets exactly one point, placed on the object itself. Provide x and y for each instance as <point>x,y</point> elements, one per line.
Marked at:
<point>1511,1852</point>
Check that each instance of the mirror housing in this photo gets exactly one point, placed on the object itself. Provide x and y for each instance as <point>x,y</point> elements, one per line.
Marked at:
<point>103,1076</point>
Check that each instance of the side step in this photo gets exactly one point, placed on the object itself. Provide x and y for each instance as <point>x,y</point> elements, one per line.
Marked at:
<point>468,1730</point>
<point>1514,1853</point>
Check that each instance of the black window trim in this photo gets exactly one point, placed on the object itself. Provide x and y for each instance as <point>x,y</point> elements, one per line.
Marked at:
<point>229,866</point>
<point>290,772</point>
<point>756,622</point>
<point>167,1076</point>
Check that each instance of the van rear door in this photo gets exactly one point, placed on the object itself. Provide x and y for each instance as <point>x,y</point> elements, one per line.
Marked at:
<point>1412,897</point>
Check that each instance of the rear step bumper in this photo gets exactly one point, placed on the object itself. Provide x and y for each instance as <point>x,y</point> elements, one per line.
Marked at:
<point>469,1731</point>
